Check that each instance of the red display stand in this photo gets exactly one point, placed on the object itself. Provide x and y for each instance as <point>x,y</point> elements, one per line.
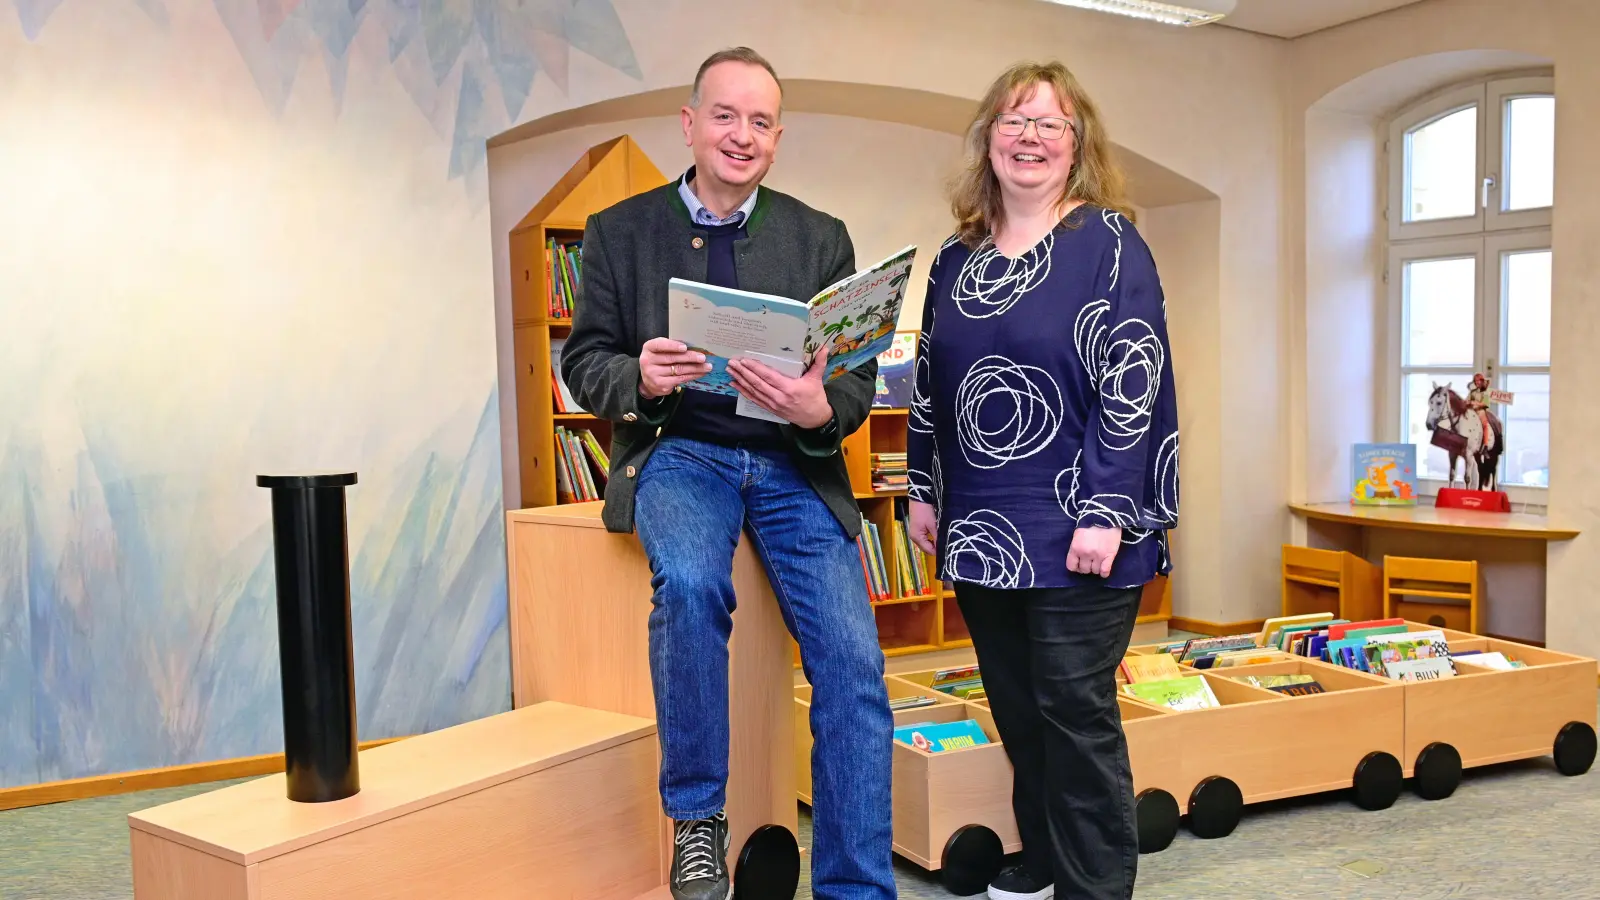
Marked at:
<point>1461,498</point>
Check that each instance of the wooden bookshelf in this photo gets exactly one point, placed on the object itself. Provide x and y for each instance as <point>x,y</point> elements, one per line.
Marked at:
<point>909,620</point>
<point>606,174</point>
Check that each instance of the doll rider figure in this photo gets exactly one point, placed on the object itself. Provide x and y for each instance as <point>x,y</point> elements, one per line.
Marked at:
<point>1478,399</point>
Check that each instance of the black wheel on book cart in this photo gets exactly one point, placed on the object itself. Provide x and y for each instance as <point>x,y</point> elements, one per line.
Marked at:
<point>1215,807</point>
<point>1378,780</point>
<point>769,865</point>
<point>1575,748</point>
<point>972,858</point>
<point>1158,815</point>
<point>1438,771</point>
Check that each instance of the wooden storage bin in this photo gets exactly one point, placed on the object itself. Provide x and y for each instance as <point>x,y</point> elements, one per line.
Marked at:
<point>1155,748</point>
<point>1484,716</point>
<point>1261,745</point>
<point>937,795</point>
<point>802,723</point>
<point>1365,732</point>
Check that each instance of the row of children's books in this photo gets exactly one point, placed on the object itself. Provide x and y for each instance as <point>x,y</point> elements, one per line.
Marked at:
<point>903,573</point>
<point>581,466</point>
<point>563,269</point>
<point>1158,679</point>
<point>1380,647</point>
<point>1384,647</point>
<point>965,682</point>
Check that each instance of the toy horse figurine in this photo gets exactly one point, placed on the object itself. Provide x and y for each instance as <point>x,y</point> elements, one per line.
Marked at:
<point>1458,428</point>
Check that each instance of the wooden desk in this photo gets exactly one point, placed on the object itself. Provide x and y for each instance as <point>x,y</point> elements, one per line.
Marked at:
<point>580,601</point>
<point>1509,547</point>
<point>1429,518</point>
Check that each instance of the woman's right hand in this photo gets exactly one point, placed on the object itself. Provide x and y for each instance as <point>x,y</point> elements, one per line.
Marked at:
<point>924,526</point>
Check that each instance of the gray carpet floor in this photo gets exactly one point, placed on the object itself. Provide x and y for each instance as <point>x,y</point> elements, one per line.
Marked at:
<point>1518,831</point>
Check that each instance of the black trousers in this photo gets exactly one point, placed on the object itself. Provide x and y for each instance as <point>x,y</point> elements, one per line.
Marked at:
<point>1048,658</point>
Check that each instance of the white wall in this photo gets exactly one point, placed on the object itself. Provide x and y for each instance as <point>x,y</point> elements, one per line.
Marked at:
<point>1346,303</point>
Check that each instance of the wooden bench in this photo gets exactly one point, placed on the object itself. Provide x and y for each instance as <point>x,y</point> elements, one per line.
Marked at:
<point>550,800</point>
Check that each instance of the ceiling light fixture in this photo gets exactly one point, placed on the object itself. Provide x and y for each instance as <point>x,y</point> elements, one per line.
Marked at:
<point>1192,12</point>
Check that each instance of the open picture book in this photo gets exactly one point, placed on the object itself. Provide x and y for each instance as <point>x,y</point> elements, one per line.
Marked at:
<point>854,318</point>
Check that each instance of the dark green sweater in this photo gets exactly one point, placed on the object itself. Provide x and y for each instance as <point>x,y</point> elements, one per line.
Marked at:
<point>630,251</point>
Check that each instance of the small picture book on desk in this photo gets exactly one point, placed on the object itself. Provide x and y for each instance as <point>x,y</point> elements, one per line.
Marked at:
<point>854,318</point>
<point>1383,475</point>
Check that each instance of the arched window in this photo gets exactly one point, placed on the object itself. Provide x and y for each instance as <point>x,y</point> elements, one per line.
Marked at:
<point>1470,192</point>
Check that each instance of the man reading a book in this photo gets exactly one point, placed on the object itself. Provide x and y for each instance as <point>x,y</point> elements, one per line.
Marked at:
<point>689,474</point>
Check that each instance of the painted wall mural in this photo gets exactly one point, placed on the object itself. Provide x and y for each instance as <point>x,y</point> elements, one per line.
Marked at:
<point>468,64</point>
<point>246,235</point>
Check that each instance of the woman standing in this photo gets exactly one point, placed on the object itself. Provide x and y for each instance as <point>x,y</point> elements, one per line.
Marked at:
<point>1043,459</point>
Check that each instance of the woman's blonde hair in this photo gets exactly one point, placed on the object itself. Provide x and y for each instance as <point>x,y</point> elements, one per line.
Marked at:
<point>1095,178</point>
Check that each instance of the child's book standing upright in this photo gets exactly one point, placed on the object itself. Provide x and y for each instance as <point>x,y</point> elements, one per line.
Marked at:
<point>1383,475</point>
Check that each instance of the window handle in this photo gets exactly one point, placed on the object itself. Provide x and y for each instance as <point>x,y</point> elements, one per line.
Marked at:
<point>1488,183</point>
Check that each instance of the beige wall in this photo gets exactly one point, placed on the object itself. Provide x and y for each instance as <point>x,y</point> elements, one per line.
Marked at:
<point>1185,242</point>
<point>1426,45</point>
<point>1212,112</point>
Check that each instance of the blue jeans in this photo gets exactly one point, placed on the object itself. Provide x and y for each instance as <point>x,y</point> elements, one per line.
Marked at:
<point>692,501</point>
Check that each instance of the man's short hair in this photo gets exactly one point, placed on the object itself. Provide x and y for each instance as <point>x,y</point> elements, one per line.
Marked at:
<point>733,54</point>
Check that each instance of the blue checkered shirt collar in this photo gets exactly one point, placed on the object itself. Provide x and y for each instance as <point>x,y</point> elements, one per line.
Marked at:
<point>702,216</point>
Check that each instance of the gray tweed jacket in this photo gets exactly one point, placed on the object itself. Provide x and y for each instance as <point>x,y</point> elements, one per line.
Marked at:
<point>630,250</point>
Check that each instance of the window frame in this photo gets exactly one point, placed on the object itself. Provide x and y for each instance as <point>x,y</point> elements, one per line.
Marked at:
<point>1413,118</point>
<point>1497,94</point>
<point>1486,236</point>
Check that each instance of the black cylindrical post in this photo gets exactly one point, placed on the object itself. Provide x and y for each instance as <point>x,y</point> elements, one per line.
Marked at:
<point>315,647</point>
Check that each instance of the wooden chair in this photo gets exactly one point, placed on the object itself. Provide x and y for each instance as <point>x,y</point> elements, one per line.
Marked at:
<point>1331,581</point>
<point>1442,592</point>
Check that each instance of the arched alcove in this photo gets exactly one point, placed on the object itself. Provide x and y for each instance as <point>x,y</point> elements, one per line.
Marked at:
<point>1345,297</point>
<point>1348,309</point>
<point>1151,184</point>
<point>878,157</point>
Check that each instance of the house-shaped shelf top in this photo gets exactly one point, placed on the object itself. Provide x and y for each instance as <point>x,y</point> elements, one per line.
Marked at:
<point>606,174</point>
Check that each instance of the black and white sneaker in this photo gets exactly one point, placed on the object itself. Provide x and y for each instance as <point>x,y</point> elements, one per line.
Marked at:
<point>1017,883</point>
<point>700,859</point>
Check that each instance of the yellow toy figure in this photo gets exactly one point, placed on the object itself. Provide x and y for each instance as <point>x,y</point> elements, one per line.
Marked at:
<point>1378,477</point>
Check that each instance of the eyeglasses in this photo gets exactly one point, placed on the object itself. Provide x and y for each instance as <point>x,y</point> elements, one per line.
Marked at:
<point>1051,128</point>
